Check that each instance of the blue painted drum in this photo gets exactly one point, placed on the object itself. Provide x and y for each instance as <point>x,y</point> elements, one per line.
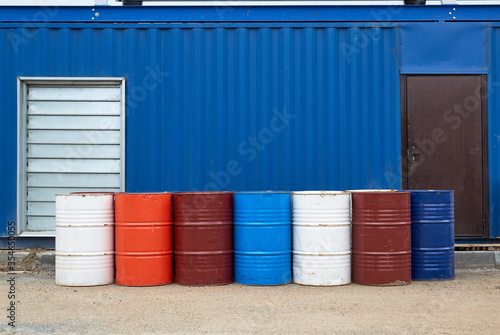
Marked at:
<point>432,234</point>
<point>262,238</point>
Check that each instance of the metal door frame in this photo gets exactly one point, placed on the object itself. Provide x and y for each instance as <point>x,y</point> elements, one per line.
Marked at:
<point>484,141</point>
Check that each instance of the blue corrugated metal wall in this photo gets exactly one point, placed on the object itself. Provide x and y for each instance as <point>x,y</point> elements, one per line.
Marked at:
<point>228,88</point>
<point>494,129</point>
<point>234,108</point>
<point>8,131</point>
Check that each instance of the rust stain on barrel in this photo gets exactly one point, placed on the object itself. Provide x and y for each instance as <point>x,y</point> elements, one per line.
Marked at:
<point>203,243</point>
<point>381,238</point>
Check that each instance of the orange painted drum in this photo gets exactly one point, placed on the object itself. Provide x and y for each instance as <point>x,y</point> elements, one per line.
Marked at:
<point>143,239</point>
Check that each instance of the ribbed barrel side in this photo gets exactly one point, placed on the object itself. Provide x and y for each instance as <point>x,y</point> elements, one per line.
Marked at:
<point>262,238</point>
<point>432,235</point>
<point>203,230</point>
<point>84,239</point>
<point>381,238</point>
<point>321,238</point>
<point>144,239</point>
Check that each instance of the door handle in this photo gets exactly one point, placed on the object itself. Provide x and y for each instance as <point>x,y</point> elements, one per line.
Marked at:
<point>414,152</point>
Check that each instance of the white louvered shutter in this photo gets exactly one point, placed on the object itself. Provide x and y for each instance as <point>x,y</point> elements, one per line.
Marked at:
<point>73,144</point>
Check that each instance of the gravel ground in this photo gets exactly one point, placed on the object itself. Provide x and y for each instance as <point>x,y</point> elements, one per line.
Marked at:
<point>470,304</point>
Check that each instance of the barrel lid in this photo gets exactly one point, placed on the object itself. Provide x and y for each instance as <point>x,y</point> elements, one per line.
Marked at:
<point>85,194</point>
<point>373,190</point>
<point>205,192</point>
<point>262,192</point>
<point>103,192</point>
<point>430,191</point>
<point>319,192</point>
<point>144,193</point>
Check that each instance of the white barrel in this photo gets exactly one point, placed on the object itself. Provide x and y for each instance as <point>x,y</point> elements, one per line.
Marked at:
<point>321,238</point>
<point>85,239</point>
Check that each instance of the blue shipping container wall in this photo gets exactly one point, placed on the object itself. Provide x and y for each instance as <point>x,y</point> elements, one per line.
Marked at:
<point>287,105</point>
<point>494,130</point>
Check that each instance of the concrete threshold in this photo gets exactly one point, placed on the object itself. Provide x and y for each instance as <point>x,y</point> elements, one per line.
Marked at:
<point>477,259</point>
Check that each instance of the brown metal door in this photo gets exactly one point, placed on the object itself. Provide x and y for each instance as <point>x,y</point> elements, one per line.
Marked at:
<point>445,143</point>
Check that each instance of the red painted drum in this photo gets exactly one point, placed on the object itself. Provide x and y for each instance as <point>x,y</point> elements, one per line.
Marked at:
<point>203,231</point>
<point>143,239</point>
<point>381,237</point>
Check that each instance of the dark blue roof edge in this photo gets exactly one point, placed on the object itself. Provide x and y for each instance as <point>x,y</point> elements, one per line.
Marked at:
<point>33,14</point>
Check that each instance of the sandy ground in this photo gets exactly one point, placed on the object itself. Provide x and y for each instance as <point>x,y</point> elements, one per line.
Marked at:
<point>470,304</point>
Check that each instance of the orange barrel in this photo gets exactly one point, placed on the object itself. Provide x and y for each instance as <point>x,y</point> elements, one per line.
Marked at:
<point>381,231</point>
<point>143,239</point>
<point>203,238</point>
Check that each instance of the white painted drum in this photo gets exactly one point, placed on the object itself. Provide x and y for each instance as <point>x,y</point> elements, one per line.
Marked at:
<point>85,239</point>
<point>321,238</point>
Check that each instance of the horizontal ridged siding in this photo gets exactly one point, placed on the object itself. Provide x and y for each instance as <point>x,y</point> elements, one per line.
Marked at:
<point>215,89</point>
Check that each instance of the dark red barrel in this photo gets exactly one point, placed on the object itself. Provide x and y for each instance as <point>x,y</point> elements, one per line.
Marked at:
<point>381,238</point>
<point>203,238</point>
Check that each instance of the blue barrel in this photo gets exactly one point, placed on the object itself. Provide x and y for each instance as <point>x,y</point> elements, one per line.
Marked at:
<point>432,235</point>
<point>262,238</point>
